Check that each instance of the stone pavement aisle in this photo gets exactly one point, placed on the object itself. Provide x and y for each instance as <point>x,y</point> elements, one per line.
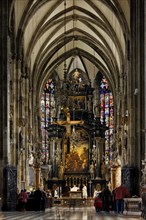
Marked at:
<point>64,213</point>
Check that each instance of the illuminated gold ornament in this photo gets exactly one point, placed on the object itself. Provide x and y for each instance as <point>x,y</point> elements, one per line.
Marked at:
<point>76,74</point>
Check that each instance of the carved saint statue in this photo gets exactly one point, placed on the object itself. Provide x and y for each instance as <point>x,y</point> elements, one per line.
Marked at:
<point>61,170</point>
<point>103,169</point>
<point>31,159</point>
<point>92,170</point>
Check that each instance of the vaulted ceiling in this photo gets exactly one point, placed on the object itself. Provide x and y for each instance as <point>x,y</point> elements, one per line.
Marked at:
<point>90,35</point>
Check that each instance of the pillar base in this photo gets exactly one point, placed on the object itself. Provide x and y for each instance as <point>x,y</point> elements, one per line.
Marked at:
<point>9,200</point>
<point>130,178</point>
<point>115,176</point>
<point>143,195</point>
<point>37,175</point>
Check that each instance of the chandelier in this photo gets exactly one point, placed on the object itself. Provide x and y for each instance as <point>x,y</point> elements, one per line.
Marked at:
<point>65,95</point>
<point>73,96</point>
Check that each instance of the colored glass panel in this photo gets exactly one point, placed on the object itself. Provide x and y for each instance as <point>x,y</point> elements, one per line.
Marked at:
<point>107,117</point>
<point>47,113</point>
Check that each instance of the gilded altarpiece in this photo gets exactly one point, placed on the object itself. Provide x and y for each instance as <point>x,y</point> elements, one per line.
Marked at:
<point>76,149</point>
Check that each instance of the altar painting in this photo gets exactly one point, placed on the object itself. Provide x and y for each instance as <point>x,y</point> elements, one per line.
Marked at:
<point>76,153</point>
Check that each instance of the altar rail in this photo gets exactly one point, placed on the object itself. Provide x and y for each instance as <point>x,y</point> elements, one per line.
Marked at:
<point>132,206</point>
<point>72,202</point>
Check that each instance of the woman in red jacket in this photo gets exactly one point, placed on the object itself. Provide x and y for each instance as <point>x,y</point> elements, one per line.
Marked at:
<point>120,193</point>
<point>22,200</point>
<point>98,202</point>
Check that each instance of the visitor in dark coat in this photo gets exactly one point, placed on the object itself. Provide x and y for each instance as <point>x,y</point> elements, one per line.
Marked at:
<point>37,199</point>
<point>43,200</point>
<point>22,200</point>
<point>106,199</point>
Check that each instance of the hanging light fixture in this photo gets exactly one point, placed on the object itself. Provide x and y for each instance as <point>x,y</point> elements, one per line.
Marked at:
<point>65,65</point>
<point>69,87</point>
<point>76,72</point>
<point>65,83</point>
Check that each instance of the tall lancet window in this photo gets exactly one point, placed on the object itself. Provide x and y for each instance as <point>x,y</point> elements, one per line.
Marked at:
<point>47,115</point>
<point>107,117</point>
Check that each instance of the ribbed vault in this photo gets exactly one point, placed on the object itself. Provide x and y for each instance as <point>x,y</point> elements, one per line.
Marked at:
<point>52,32</point>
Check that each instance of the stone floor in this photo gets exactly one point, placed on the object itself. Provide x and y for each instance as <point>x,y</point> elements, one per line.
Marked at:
<point>65,213</point>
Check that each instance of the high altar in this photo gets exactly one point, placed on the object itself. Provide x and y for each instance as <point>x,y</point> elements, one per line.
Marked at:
<point>77,140</point>
<point>75,194</point>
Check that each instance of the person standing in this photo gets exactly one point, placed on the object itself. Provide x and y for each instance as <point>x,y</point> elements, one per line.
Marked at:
<point>98,202</point>
<point>120,193</point>
<point>37,199</point>
<point>56,193</point>
<point>84,191</point>
<point>43,200</point>
<point>97,191</point>
<point>22,200</point>
<point>106,199</point>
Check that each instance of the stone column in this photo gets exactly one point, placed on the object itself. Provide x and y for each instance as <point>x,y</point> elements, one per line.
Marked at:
<point>4,83</point>
<point>143,185</point>
<point>96,109</point>
<point>5,155</point>
<point>37,175</point>
<point>54,159</point>
<point>99,146</point>
<point>115,176</point>
<point>17,125</point>
<point>135,78</point>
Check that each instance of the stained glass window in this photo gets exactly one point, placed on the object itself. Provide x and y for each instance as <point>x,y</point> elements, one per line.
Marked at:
<point>107,116</point>
<point>47,114</point>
